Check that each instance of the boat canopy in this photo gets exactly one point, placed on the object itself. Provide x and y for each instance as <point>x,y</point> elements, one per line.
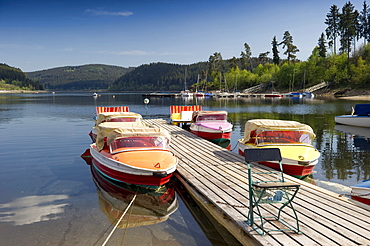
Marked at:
<point>362,109</point>
<point>260,125</point>
<point>209,115</point>
<point>106,116</point>
<point>105,128</point>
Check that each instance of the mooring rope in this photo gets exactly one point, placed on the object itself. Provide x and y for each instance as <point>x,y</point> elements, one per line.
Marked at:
<point>115,227</point>
<point>128,220</point>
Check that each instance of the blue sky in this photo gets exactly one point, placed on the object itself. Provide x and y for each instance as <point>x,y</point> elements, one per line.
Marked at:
<point>37,35</point>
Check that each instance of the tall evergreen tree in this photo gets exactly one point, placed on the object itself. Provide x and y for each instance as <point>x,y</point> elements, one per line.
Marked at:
<point>215,62</point>
<point>332,31</point>
<point>287,43</point>
<point>322,45</point>
<point>246,55</point>
<point>364,22</point>
<point>347,26</point>
<point>275,51</point>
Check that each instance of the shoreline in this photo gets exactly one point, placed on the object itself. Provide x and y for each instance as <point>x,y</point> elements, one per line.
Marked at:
<point>362,97</point>
<point>22,91</point>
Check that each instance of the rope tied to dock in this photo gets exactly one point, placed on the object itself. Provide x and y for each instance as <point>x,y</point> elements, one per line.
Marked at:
<point>120,219</point>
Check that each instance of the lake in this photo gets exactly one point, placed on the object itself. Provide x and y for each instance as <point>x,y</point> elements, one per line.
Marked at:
<point>49,195</point>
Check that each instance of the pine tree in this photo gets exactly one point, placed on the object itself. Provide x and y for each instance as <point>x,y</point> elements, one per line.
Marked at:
<point>364,23</point>
<point>332,31</point>
<point>246,55</point>
<point>275,51</point>
<point>287,43</point>
<point>348,27</point>
<point>322,46</point>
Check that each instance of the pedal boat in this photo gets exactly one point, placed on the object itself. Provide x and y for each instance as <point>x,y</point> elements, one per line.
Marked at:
<point>213,126</point>
<point>294,140</point>
<point>139,156</point>
<point>114,117</point>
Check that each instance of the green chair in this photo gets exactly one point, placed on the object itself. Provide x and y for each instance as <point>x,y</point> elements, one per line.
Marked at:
<point>275,191</point>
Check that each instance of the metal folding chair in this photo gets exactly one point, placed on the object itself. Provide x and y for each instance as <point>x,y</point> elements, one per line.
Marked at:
<point>275,191</point>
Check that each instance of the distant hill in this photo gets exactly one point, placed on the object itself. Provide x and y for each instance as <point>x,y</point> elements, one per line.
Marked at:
<point>159,77</point>
<point>12,78</point>
<point>84,77</point>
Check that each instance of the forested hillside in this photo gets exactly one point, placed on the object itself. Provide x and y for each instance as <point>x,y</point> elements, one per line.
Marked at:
<point>346,65</point>
<point>14,79</point>
<point>85,77</point>
<point>158,77</point>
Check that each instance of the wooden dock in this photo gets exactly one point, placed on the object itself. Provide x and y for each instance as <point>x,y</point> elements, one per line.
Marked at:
<point>217,180</point>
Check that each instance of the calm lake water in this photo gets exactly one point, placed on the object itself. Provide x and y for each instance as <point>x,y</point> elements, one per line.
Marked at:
<point>49,196</point>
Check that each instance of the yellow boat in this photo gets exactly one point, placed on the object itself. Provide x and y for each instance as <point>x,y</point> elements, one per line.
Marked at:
<point>294,140</point>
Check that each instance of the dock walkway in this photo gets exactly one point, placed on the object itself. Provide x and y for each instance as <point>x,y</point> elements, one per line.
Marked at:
<point>217,179</point>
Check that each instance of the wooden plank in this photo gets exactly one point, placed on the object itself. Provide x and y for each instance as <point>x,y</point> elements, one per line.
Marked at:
<point>219,179</point>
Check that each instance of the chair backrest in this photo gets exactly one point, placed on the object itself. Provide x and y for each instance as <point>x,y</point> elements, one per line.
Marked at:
<point>111,109</point>
<point>266,154</point>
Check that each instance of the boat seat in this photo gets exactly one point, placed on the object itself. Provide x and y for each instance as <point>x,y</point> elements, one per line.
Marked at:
<point>274,191</point>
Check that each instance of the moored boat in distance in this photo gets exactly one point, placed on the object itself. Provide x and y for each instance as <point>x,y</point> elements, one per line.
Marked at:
<point>138,156</point>
<point>161,94</point>
<point>294,140</point>
<point>213,126</point>
<point>274,95</point>
<point>294,94</point>
<point>308,95</point>
<point>359,116</point>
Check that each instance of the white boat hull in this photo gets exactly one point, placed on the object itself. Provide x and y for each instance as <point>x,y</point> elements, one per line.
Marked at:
<point>353,120</point>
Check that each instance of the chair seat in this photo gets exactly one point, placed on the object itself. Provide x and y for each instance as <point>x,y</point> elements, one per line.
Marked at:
<point>267,185</point>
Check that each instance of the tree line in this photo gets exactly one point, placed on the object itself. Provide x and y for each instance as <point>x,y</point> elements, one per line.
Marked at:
<point>343,66</point>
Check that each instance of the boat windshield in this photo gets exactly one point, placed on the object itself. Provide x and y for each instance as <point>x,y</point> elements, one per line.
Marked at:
<point>212,117</point>
<point>280,137</point>
<point>126,143</point>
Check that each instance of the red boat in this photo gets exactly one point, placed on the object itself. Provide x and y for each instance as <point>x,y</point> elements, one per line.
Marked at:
<point>361,192</point>
<point>273,95</point>
<point>139,156</point>
<point>213,126</point>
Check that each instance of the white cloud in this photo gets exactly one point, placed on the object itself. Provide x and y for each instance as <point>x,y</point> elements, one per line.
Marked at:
<point>32,209</point>
<point>102,12</point>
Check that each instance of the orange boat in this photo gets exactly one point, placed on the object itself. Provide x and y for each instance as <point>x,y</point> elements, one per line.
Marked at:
<point>133,155</point>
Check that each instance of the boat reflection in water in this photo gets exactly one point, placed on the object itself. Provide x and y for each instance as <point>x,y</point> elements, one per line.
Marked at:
<point>360,135</point>
<point>150,207</point>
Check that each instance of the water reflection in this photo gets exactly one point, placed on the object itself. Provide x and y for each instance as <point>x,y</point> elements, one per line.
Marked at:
<point>149,207</point>
<point>32,209</point>
<point>346,153</point>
